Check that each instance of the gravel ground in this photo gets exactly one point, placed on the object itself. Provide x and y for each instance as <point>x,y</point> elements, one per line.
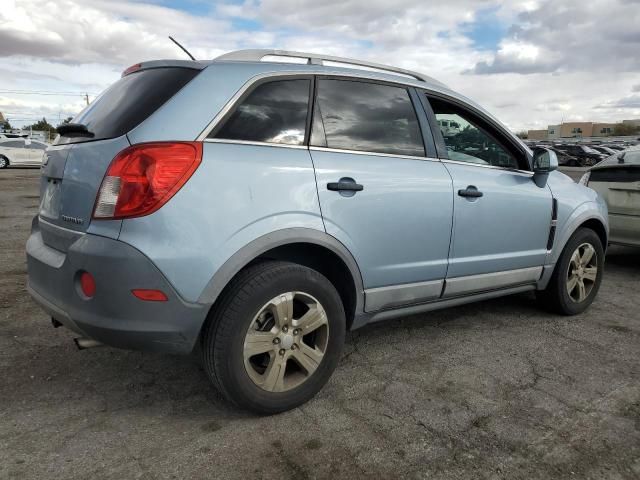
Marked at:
<point>498,389</point>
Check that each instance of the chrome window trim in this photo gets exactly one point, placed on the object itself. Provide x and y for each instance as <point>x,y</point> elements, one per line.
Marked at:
<point>258,144</point>
<point>506,169</point>
<point>377,154</point>
<point>298,73</point>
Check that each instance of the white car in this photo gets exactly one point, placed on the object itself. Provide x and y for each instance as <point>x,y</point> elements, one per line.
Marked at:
<point>21,152</point>
<point>617,180</point>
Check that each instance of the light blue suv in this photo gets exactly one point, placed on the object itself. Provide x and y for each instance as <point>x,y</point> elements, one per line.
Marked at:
<point>256,207</point>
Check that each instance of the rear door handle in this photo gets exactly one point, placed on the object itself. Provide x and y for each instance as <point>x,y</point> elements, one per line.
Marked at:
<point>345,185</point>
<point>470,192</point>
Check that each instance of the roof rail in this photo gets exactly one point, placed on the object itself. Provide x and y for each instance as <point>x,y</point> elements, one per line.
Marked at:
<point>256,55</point>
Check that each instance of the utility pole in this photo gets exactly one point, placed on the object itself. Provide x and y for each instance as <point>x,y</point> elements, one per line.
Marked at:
<point>86,98</point>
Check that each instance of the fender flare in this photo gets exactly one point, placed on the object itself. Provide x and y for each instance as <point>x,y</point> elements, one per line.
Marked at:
<point>286,236</point>
<point>584,212</point>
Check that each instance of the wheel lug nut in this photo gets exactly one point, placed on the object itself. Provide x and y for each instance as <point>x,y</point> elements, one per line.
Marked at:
<point>276,340</point>
<point>282,352</point>
<point>294,347</point>
<point>285,329</point>
<point>296,331</point>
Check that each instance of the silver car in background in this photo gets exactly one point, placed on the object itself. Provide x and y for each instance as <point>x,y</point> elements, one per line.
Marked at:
<point>617,180</point>
<point>21,152</point>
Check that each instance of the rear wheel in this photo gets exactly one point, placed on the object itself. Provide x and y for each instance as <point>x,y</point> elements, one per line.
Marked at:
<point>577,276</point>
<point>275,337</point>
<point>4,162</point>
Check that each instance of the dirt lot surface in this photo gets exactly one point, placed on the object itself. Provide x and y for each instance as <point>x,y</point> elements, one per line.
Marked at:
<point>498,389</point>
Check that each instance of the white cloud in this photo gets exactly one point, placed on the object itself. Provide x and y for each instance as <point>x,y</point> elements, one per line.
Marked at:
<point>572,35</point>
<point>558,59</point>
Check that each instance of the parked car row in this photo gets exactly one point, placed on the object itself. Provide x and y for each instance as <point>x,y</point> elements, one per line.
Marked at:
<point>581,154</point>
<point>21,152</point>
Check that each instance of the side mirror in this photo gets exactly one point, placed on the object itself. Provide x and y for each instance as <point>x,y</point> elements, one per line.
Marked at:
<point>544,160</point>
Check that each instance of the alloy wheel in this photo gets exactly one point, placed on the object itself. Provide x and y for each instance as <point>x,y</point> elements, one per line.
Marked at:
<point>286,341</point>
<point>582,272</point>
<point>3,162</point>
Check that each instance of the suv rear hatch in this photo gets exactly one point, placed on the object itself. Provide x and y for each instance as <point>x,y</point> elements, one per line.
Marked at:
<point>76,164</point>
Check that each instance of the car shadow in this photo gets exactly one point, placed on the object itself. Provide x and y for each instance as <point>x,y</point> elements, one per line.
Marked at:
<point>625,257</point>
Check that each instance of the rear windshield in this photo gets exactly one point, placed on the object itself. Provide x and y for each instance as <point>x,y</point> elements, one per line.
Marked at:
<point>129,101</point>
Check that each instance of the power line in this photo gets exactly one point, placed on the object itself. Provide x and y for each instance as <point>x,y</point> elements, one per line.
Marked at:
<point>46,92</point>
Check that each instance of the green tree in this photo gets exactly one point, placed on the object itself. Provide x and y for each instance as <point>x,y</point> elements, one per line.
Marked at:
<point>42,126</point>
<point>66,120</point>
<point>6,125</point>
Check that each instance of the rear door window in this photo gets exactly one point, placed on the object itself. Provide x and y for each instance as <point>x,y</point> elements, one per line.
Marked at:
<point>363,116</point>
<point>129,101</point>
<point>274,112</point>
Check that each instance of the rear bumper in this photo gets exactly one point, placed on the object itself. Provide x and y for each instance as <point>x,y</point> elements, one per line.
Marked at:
<point>113,316</point>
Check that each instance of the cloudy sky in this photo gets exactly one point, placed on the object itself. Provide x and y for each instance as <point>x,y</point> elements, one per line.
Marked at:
<point>532,63</point>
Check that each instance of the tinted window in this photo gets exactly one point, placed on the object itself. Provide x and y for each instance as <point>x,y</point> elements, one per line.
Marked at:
<point>129,101</point>
<point>12,144</point>
<point>37,146</point>
<point>466,140</point>
<point>275,112</point>
<point>366,116</point>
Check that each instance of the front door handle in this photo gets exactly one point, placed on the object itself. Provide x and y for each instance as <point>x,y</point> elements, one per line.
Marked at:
<point>470,192</point>
<point>345,185</point>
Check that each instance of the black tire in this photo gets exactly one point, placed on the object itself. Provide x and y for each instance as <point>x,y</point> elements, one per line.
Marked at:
<point>4,162</point>
<point>228,323</point>
<point>556,297</point>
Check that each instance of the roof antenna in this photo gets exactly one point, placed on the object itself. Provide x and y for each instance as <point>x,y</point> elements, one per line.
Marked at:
<point>183,49</point>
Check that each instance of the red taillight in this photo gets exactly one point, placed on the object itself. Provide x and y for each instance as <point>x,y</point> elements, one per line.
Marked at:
<point>144,177</point>
<point>87,284</point>
<point>131,69</point>
<point>150,295</point>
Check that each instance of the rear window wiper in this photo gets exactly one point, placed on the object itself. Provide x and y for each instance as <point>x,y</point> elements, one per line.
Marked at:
<point>74,129</point>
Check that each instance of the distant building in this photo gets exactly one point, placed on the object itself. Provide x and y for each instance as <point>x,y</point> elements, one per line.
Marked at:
<point>575,130</point>
<point>603,129</point>
<point>633,123</point>
<point>553,132</point>
<point>537,135</point>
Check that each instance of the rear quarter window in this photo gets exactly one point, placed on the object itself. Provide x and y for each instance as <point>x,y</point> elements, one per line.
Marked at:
<point>275,112</point>
<point>129,101</point>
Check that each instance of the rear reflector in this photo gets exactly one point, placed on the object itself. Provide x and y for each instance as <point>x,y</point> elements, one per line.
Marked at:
<point>87,284</point>
<point>149,295</point>
<point>143,177</point>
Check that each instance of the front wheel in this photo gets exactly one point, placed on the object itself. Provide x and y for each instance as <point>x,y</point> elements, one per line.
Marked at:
<point>577,276</point>
<point>4,163</point>
<point>275,337</point>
